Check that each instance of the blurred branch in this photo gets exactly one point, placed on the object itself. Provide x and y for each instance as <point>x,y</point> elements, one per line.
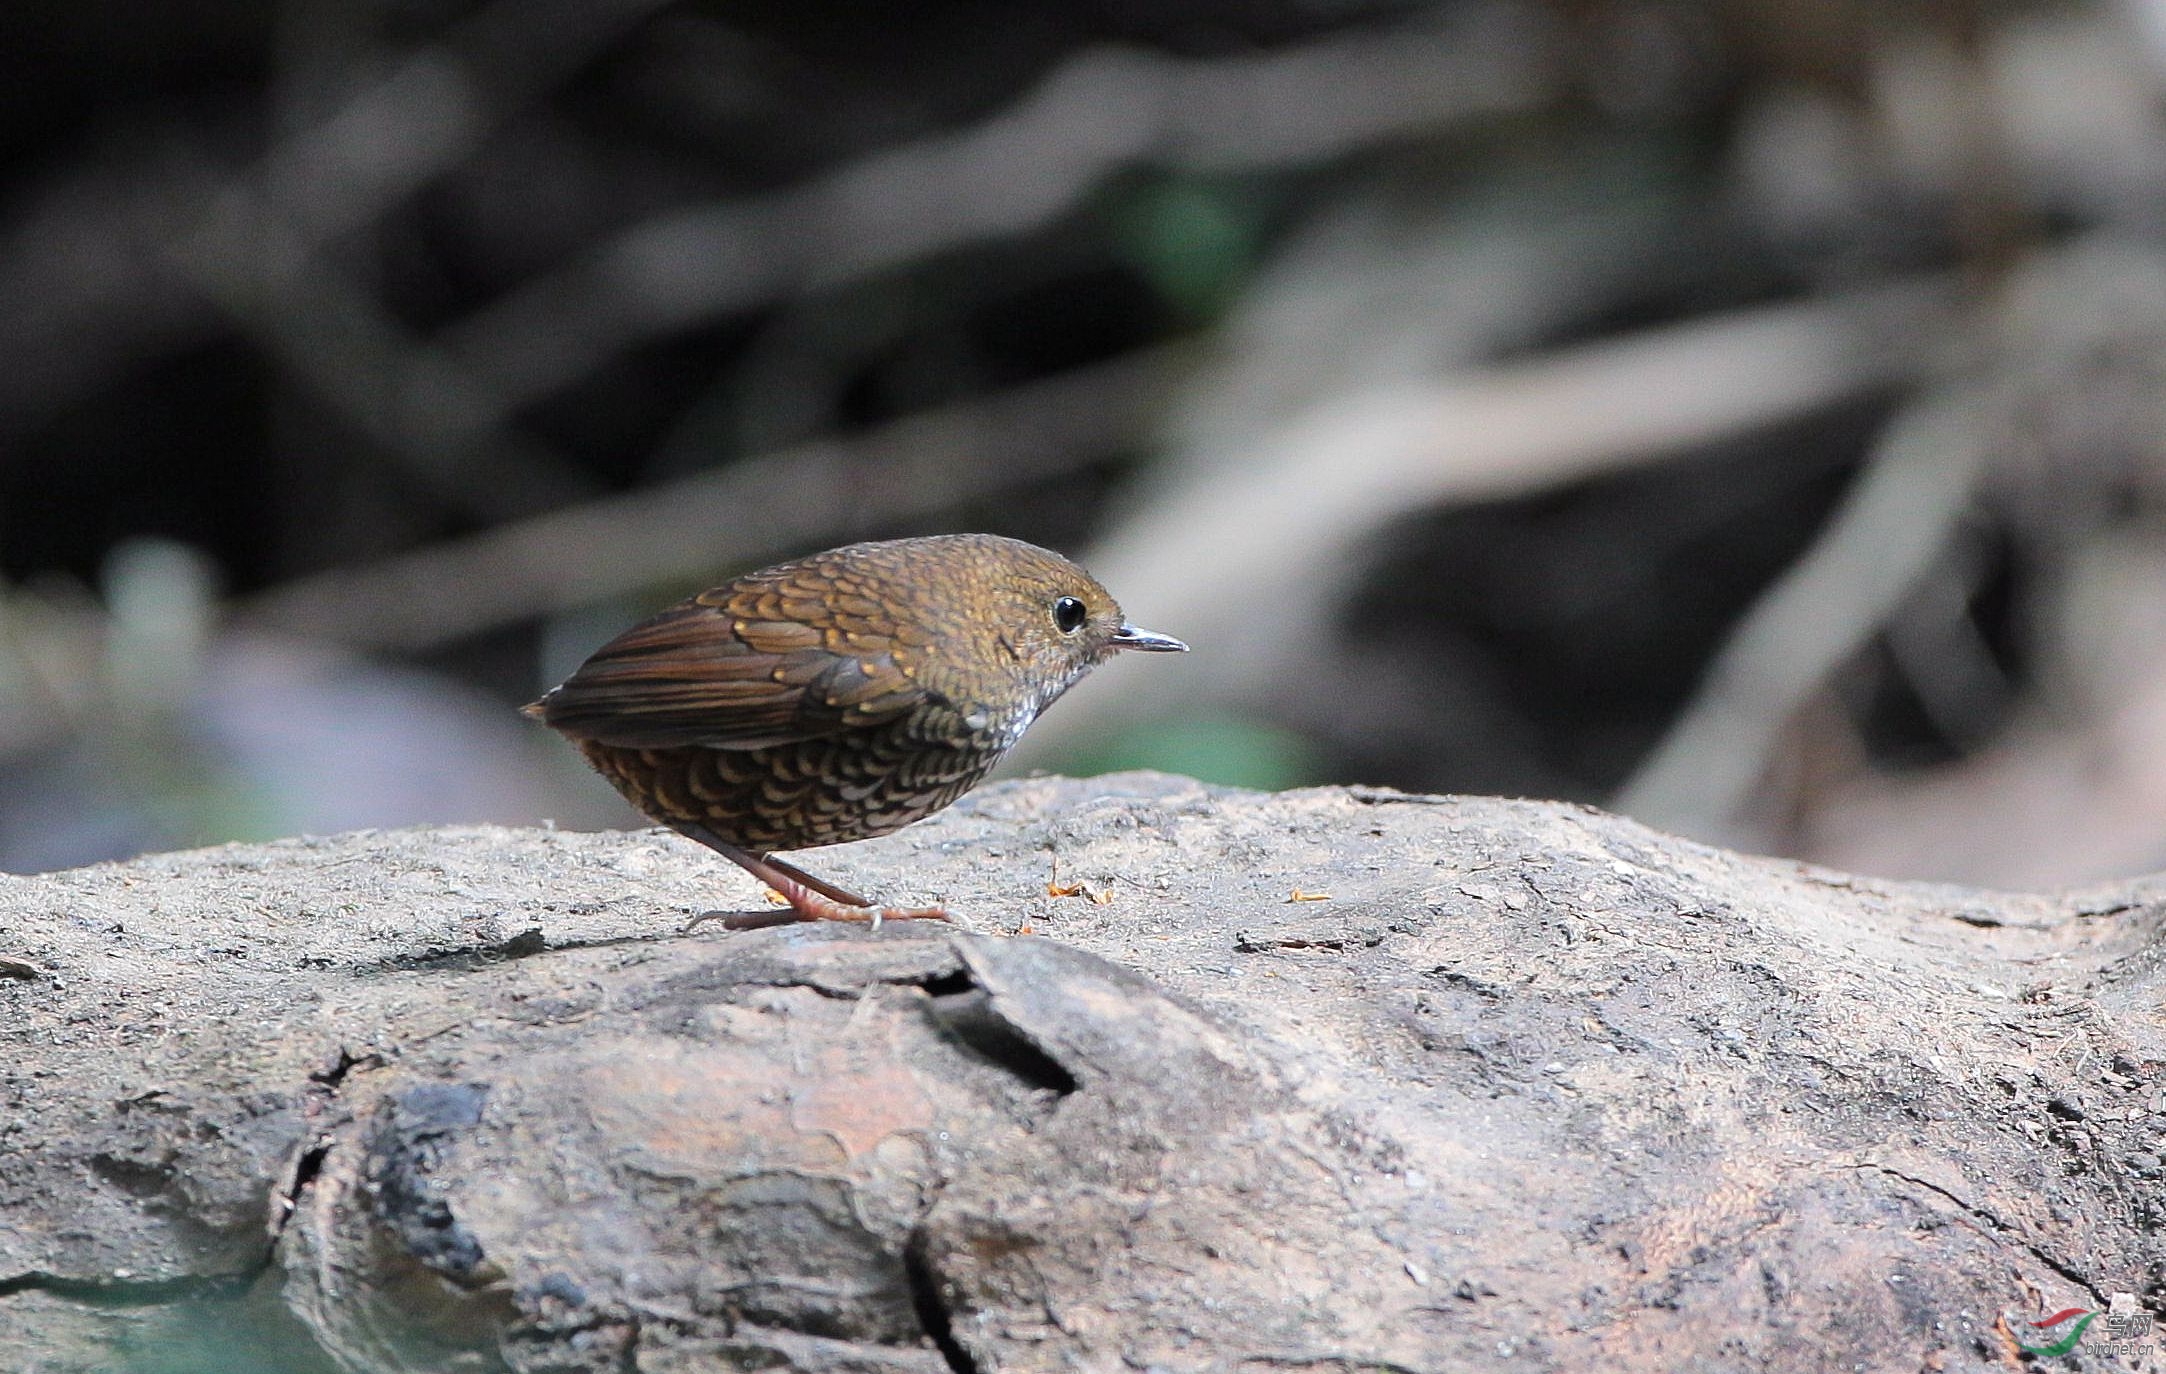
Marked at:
<point>340,344</point>
<point>1246,560</point>
<point>96,265</point>
<point>1373,291</point>
<point>2073,790</point>
<point>82,301</point>
<point>434,109</point>
<point>1896,523</point>
<point>2057,438</point>
<point>254,245</point>
<point>258,247</point>
<point>1943,656</point>
<point>690,530</point>
<point>1021,169</point>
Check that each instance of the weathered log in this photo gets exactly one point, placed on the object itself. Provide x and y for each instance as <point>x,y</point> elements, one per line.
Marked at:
<point>1534,1087</point>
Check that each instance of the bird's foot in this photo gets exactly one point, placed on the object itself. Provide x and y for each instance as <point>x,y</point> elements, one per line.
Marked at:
<point>805,897</point>
<point>816,899</point>
<point>814,907</point>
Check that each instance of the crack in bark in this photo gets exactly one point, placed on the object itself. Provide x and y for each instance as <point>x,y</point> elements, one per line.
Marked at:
<point>333,1076</point>
<point>2057,1265</point>
<point>120,1292</point>
<point>327,1082</point>
<point>940,984</point>
<point>932,1308</point>
<point>467,958</point>
<point>972,1019</point>
<point>116,1292</point>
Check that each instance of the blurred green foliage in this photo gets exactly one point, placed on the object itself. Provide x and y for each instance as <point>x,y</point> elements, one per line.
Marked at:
<point>1231,750</point>
<point>1194,239</point>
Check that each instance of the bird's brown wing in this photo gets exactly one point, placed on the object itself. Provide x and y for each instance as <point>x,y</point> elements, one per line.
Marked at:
<point>734,668</point>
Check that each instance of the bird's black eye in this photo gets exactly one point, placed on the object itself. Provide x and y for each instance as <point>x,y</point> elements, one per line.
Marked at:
<point>1069,614</point>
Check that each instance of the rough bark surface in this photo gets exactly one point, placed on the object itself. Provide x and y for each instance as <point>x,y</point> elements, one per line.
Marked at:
<point>1534,1088</point>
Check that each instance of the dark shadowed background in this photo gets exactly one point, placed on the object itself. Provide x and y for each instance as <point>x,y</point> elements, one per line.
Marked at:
<point>1750,414</point>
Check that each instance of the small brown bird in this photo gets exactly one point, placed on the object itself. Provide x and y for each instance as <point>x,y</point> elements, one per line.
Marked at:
<point>838,696</point>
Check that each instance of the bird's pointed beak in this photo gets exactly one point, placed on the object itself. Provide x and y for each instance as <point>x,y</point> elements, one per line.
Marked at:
<point>1129,637</point>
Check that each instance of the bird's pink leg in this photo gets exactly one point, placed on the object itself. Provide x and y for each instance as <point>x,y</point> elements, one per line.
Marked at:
<point>809,898</point>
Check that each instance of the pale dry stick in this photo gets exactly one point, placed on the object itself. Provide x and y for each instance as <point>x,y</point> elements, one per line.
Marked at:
<point>1249,557</point>
<point>1898,521</point>
<point>684,531</point>
<point>1368,294</point>
<point>2056,798</point>
<point>1894,524</point>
